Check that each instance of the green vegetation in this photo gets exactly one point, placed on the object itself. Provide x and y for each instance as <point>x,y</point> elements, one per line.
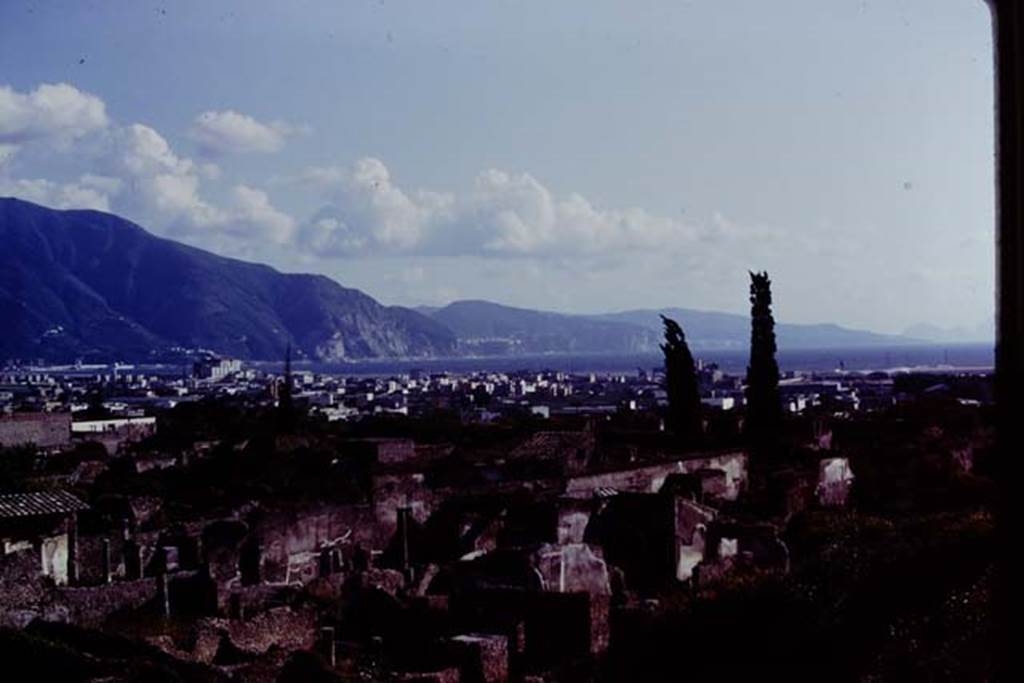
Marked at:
<point>684,413</point>
<point>764,407</point>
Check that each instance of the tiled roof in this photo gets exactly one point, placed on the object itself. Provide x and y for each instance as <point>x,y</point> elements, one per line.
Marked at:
<point>39,503</point>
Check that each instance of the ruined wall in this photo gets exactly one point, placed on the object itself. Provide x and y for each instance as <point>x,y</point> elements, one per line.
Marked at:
<point>555,626</point>
<point>691,524</point>
<point>54,552</point>
<point>450,675</point>
<point>251,599</point>
<point>90,606</point>
<point>561,626</point>
<point>45,430</point>
<point>758,543</point>
<point>650,478</point>
<point>115,438</point>
<point>291,538</point>
<point>281,627</point>
<point>835,479</point>
<point>572,568</point>
<point>394,450</point>
<point>90,558</point>
<point>222,549</point>
<point>482,658</point>
<point>392,491</point>
<point>713,484</point>
<point>24,593</point>
<point>572,522</point>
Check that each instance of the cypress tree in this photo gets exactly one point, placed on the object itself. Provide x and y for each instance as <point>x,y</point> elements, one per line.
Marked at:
<point>764,406</point>
<point>681,385</point>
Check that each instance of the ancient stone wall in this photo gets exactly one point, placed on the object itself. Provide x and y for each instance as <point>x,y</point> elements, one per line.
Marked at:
<point>835,479</point>
<point>90,606</point>
<point>45,430</point>
<point>392,491</point>
<point>650,478</point>
<point>554,626</point>
<point>291,538</point>
<point>24,593</point>
<point>395,450</point>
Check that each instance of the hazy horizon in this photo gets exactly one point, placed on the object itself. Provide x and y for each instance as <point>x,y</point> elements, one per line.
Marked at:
<point>586,157</point>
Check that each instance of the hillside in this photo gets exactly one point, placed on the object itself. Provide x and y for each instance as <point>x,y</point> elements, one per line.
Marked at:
<point>93,285</point>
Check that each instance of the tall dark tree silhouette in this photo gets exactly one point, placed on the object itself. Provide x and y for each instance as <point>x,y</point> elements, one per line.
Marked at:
<point>764,407</point>
<point>285,407</point>
<point>681,385</point>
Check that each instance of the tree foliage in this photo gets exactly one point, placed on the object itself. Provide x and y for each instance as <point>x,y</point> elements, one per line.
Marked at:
<point>681,385</point>
<point>285,405</point>
<point>764,407</point>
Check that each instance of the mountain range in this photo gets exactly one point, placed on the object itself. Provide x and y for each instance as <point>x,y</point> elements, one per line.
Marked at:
<point>983,332</point>
<point>91,285</point>
<point>485,328</point>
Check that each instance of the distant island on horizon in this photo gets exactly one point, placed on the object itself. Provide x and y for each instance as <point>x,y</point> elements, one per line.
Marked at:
<point>89,285</point>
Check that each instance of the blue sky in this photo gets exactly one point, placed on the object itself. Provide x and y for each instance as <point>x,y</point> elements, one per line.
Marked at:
<point>580,156</point>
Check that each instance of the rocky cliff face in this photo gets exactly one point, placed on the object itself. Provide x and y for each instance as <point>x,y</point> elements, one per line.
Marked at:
<point>90,284</point>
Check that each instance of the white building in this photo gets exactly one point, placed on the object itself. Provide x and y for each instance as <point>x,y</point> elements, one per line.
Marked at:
<point>216,369</point>
<point>113,425</point>
<point>720,402</point>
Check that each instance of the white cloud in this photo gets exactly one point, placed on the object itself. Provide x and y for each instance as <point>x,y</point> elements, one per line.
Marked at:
<point>398,220</point>
<point>251,215</point>
<point>160,185</point>
<point>369,212</point>
<point>57,195</point>
<point>7,152</point>
<point>518,215</point>
<point>165,189</point>
<point>328,236</point>
<point>321,178</point>
<point>229,132</point>
<point>554,238</point>
<point>101,183</point>
<point>129,169</point>
<point>59,112</point>
<point>503,214</point>
<point>139,150</point>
